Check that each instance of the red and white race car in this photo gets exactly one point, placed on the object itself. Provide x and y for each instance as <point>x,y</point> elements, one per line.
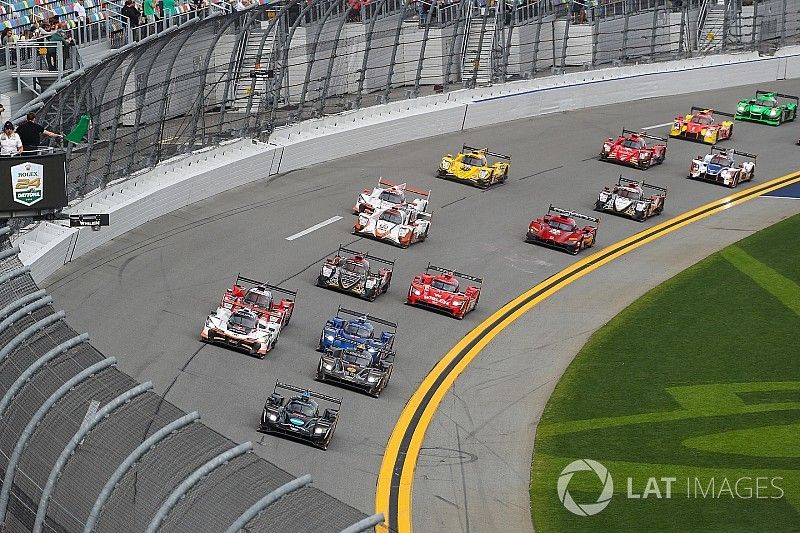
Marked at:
<point>249,319</point>
<point>631,148</point>
<point>388,194</point>
<point>401,226</point>
<point>441,292</point>
<point>560,230</point>
<point>699,125</point>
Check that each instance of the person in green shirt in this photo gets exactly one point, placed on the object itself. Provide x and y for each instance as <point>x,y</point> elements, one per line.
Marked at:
<point>169,10</point>
<point>149,9</point>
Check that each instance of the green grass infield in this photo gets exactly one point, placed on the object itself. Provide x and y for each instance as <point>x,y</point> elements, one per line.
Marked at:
<point>688,401</point>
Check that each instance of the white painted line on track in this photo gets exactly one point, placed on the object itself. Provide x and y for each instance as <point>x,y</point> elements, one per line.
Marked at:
<point>657,126</point>
<point>780,197</point>
<point>315,227</point>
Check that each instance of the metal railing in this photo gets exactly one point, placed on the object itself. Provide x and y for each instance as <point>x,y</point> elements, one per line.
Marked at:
<point>199,85</point>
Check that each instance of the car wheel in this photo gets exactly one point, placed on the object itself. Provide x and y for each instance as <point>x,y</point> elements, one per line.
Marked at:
<point>372,295</point>
<point>386,287</point>
<point>321,281</point>
<point>577,248</point>
<point>598,205</point>
<point>504,177</point>
<point>423,236</point>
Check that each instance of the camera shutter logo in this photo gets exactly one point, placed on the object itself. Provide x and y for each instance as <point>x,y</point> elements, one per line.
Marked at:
<point>585,509</point>
<point>27,183</point>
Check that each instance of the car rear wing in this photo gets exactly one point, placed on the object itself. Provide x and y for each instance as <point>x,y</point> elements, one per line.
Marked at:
<point>733,151</point>
<point>454,273</point>
<point>486,151</point>
<point>364,255</point>
<point>712,110</point>
<point>573,214</point>
<point>405,187</point>
<point>256,283</point>
<point>317,395</point>
<point>779,95</point>
<point>645,135</point>
<point>343,311</point>
<point>654,187</point>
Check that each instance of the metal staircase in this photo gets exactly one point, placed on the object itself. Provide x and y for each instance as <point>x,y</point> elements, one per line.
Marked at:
<point>477,56</point>
<point>711,25</point>
<point>257,86</point>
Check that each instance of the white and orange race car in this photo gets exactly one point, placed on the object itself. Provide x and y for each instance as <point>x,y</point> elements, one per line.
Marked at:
<point>388,194</point>
<point>401,226</point>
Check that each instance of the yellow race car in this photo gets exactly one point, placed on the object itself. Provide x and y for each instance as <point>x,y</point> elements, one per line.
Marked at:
<point>471,166</point>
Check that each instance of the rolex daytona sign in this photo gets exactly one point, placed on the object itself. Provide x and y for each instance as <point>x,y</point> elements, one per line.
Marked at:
<point>27,183</point>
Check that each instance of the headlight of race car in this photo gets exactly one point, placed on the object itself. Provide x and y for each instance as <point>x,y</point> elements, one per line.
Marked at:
<point>774,112</point>
<point>372,379</point>
<point>403,231</point>
<point>363,220</point>
<point>445,164</point>
<point>640,206</point>
<point>603,196</point>
<point>329,337</point>
<point>458,303</point>
<point>328,366</point>
<point>416,292</point>
<point>740,108</point>
<point>606,147</point>
<point>370,283</point>
<point>272,416</point>
<point>326,271</point>
<point>643,155</point>
<point>483,173</point>
<point>319,431</point>
<point>704,132</point>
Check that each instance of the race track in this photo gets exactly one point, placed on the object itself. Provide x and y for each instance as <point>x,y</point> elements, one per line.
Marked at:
<point>144,296</point>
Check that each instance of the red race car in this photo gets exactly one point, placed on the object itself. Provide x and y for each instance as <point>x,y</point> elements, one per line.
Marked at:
<point>559,230</point>
<point>632,149</point>
<point>699,125</point>
<point>440,292</point>
<point>259,299</point>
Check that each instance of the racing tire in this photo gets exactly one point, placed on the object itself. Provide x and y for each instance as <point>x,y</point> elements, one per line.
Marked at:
<point>254,351</point>
<point>598,205</point>
<point>386,287</point>
<point>371,295</point>
<point>577,249</point>
<point>504,177</point>
<point>319,346</point>
<point>644,165</point>
<point>320,374</point>
<point>320,281</point>
<point>288,317</point>
<point>423,236</point>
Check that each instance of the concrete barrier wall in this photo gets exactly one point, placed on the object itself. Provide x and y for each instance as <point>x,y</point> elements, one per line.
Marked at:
<point>178,183</point>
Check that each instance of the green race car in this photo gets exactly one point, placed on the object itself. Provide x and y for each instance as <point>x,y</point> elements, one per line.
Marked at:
<point>766,108</point>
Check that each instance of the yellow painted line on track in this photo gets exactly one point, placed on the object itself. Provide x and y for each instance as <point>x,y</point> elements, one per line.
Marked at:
<point>396,476</point>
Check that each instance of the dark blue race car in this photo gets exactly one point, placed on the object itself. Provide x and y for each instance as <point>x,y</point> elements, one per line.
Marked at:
<point>357,331</point>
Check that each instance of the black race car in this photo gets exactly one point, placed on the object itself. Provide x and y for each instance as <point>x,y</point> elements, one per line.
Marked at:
<point>354,275</point>
<point>299,417</point>
<point>358,367</point>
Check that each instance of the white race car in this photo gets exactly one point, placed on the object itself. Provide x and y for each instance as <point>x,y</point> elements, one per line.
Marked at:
<point>402,226</point>
<point>387,195</point>
<point>242,330</point>
<point>720,166</point>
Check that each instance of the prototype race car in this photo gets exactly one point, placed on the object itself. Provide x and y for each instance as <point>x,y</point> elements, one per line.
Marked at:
<point>631,148</point>
<point>259,298</point>
<point>440,292</point>
<point>628,199</point>
<point>241,330</point>
<point>401,226</point>
<point>249,319</point>
<point>471,166</point>
<point>358,368</point>
<point>720,166</point>
<point>561,230</point>
<point>766,109</point>
<point>388,194</point>
<point>339,332</point>
<point>353,274</point>
<point>699,125</point>
<point>299,416</point>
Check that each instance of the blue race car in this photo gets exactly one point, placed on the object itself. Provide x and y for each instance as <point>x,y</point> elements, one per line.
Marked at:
<point>359,331</point>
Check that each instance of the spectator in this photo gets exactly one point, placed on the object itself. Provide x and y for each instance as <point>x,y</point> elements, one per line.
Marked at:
<point>131,13</point>
<point>168,6</point>
<point>149,8</point>
<point>80,14</point>
<point>31,133</point>
<point>578,12</point>
<point>198,4</point>
<point>9,39</point>
<point>10,143</point>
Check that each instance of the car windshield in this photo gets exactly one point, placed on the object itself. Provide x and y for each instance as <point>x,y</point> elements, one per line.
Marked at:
<point>633,143</point>
<point>444,285</point>
<point>561,226</point>
<point>357,358</point>
<point>473,161</point>
<point>391,216</point>
<point>297,406</point>
<point>246,321</point>
<point>358,330</point>
<point>628,193</point>
<point>356,268</point>
<point>392,197</point>
<point>766,102</point>
<point>698,119</point>
<point>261,300</point>
<point>721,160</point>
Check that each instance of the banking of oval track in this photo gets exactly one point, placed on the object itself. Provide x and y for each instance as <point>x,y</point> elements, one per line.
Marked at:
<point>396,476</point>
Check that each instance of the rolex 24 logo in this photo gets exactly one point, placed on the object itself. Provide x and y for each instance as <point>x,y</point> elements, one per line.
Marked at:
<point>27,183</point>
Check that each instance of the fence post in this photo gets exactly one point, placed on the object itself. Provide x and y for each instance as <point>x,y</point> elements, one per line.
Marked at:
<point>536,39</point>
<point>564,46</point>
<point>423,46</point>
<point>367,46</point>
<point>595,35</point>
<point>396,45</point>
<point>754,25</point>
<point>332,61</point>
<point>783,24</point>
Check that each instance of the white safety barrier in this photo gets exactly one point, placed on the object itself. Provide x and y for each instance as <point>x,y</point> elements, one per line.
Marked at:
<point>176,184</point>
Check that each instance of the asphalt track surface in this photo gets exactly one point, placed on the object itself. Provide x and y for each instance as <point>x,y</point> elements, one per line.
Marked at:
<point>144,296</point>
